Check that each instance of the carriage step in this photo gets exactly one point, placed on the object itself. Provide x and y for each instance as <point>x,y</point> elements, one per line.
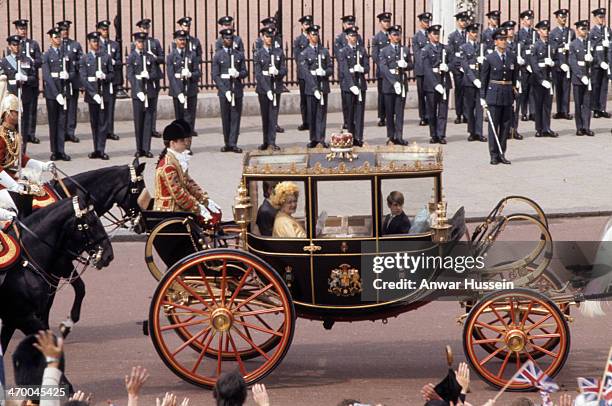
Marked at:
<point>145,327</point>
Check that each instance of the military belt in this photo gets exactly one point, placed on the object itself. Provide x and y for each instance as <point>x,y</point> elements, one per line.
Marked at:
<point>502,82</point>
<point>472,66</point>
<point>581,63</point>
<point>12,82</point>
<point>225,76</point>
<point>55,74</point>
<point>91,78</point>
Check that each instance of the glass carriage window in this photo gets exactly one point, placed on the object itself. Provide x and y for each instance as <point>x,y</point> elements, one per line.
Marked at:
<point>290,209</point>
<point>344,209</point>
<point>404,205</point>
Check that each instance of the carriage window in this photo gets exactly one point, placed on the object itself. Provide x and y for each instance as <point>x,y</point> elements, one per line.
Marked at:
<point>344,209</point>
<point>404,205</point>
<point>283,216</point>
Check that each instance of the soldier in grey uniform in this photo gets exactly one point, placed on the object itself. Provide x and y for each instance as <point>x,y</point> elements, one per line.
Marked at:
<point>340,42</point>
<point>112,49</point>
<point>31,50</point>
<point>600,41</point>
<point>542,65</point>
<point>183,72</point>
<point>354,63</point>
<point>154,48</point>
<point>56,81</point>
<point>192,42</point>
<point>560,39</point>
<point>270,69</point>
<point>96,70</point>
<point>471,61</point>
<point>512,47</point>
<point>299,44</point>
<point>380,41</point>
<point>317,67</point>
<point>437,84</point>
<point>455,40</point>
<point>526,39</point>
<point>228,70</point>
<point>580,61</point>
<point>486,37</point>
<point>73,51</point>
<point>144,82</point>
<point>394,61</point>
<point>227,23</point>
<point>419,41</point>
<point>499,76</point>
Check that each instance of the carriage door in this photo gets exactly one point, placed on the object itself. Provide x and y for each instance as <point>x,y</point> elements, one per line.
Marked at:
<point>343,210</point>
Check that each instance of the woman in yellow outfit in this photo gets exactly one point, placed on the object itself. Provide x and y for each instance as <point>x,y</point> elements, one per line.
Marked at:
<point>285,199</point>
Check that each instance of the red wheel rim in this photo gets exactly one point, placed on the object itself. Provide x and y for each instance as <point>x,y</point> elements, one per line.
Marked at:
<point>228,303</point>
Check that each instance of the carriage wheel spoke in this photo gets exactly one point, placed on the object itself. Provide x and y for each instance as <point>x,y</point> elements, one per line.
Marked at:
<point>538,323</point>
<point>549,335</point>
<point>240,285</point>
<point>526,316</point>
<point>500,318</point>
<point>210,293</point>
<point>194,293</point>
<point>183,324</point>
<point>490,356</point>
<point>262,321</point>
<point>545,351</point>
<point>237,355</point>
<point>223,281</point>
<point>203,352</point>
<point>511,304</point>
<point>261,311</point>
<point>490,327</point>
<point>251,343</point>
<point>258,328</point>
<point>192,339</point>
<point>489,340</point>
<point>191,309</point>
<point>254,295</point>
<point>533,359</point>
<point>504,364</point>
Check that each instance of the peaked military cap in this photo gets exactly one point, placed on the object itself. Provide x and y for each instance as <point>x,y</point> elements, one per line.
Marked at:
<point>464,15</point>
<point>544,24</point>
<point>348,19</point>
<point>351,30</point>
<point>103,24</point>
<point>229,32</point>
<point>269,31</point>
<point>434,29</point>
<point>582,24</point>
<point>22,22</point>
<point>54,32</point>
<point>307,19</point>
<point>510,24</point>
<point>599,12</point>
<point>180,34</point>
<point>140,36</point>
<point>13,39</point>
<point>225,20</point>
<point>526,14</point>
<point>144,23</point>
<point>313,29</point>
<point>93,36</point>
<point>384,16</point>
<point>425,17</point>
<point>562,12</point>
<point>500,33</point>
<point>268,21</point>
<point>474,27</point>
<point>184,21</point>
<point>63,25</point>
<point>494,14</point>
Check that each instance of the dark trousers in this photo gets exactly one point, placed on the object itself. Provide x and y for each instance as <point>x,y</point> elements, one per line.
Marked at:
<point>526,98</point>
<point>421,98</point>
<point>143,124</point>
<point>154,106</point>
<point>394,109</point>
<point>57,126</point>
<point>582,107</point>
<point>599,82</point>
<point>437,113</point>
<point>543,107</point>
<point>230,120</point>
<point>473,110</point>
<point>317,117</point>
<point>381,99</point>
<point>97,120</point>
<point>303,102</point>
<point>356,113</point>
<point>502,119</point>
<point>188,114</point>
<point>562,87</point>
<point>458,79</point>
<point>345,111</point>
<point>110,112</point>
<point>269,118</point>
<point>29,101</point>
<point>71,120</point>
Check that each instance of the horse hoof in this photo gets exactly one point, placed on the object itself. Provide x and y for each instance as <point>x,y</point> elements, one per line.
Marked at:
<point>65,330</point>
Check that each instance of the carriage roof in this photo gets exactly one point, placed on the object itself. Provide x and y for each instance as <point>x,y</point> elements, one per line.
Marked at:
<point>379,160</point>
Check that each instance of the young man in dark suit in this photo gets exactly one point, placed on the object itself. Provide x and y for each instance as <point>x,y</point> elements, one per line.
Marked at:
<point>397,221</point>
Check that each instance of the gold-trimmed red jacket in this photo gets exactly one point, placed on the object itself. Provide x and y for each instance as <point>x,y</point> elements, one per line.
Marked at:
<point>175,190</point>
<point>10,145</point>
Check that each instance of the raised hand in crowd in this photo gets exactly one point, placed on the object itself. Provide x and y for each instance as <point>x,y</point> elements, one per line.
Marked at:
<point>429,393</point>
<point>565,400</point>
<point>46,343</point>
<point>463,377</point>
<point>260,395</point>
<point>81,397</point>
<point>134,382</point>
<point>169,399</point>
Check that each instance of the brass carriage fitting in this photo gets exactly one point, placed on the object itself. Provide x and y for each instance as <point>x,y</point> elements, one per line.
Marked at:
<point>242,206</point>
<point>441,229</point>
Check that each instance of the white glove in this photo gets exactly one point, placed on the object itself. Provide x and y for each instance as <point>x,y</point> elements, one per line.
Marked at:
<point>529,69</point>
<point>144,74</point>
<point>60,99</point>
<point>317,95</point>
<point>480,59</point>
<point>358,68</point>
<point>272,70</point>
<point>402,63</point>
<point>604,65</point>
<point>186,73</point>
<point>233,72</point>
<point>439,88</point>
<point>443,67</point>
<point>354,90</point>
<point>98,99</point>
<point>585,80</point>
<point>20,77</point>
<point>320,72</point>
<point>64,75</point>
<point>398,87</point>
<point>100,75</point>
<point>228,96</point>
<point>549,62</point>
<point>48,166</point>
<point>483,103</point>
<point>181,98</point>
<point>7,215</point>
<point>213,207</point>
<point>204,212</point>
<point>565,67</point>
<point>270,95</point>
<point>520,60</point>
<point>477,83</point>
<point>546,84</point>
<point>3,77</point>
<point>588,58</point>
<point>141,96</point>
<point>8,182</point>
<point>566,46</point>
<point>605,43</point>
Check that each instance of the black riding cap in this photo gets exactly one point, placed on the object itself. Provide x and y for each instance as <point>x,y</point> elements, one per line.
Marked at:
<point>175,131</point>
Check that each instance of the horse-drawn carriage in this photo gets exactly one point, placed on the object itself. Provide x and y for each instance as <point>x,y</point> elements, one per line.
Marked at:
<point>228,295</point>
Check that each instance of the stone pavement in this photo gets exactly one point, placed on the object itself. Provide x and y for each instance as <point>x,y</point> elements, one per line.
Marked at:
<point>567,175</point>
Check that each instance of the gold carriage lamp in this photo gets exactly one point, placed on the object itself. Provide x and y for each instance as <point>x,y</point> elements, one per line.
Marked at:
<point>242,208</point>
<point>441,229</point>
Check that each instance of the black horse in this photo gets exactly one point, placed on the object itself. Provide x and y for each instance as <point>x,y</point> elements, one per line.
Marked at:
<point>50,238</point>
<point>115,185</point>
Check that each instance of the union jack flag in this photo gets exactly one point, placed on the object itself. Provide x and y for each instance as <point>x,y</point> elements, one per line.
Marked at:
<point>530,374</point>
<point>589,387</point>
<point>606,393</point>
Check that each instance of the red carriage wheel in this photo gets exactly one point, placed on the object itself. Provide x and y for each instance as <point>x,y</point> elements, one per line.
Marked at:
<point>533,321</point>
<point>226,303</point>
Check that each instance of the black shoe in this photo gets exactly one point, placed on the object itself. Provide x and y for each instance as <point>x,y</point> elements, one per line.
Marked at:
<point>443,141</point>
<point>302,127</point>
<point>552,134</point>
<point>494,161</point>
<point>280,129</point>
<point>104,156</point>
<point>569,116</point>
<point>225,148</point>
<point>344,127</point>
<point>237,150</point>
<point>423,123</point>
<point>73,139</point>
<point>558,116</point>
<point>596,114</point>
<point>65,157</point>
<point>190,152</point>
<point>54,157</point>
<point>93,155</point>
<point>262,147</point>
<point>381,123</point>
<point>604,114</point>
<point>458,120</point>
<point>472,137</point>
<point>121,94</point>
<point>148,154</point>
<point>324,144</point>
<point>194,134</point>
<point>434,140</point>
<point>484,139</point>
<point>113,137</point>
<point>580,132</point>
<point>156,134</point>
<point>401,141</point>
<point>531,117</point>
<point>524,118</point>
<point>357,143</point>
<point>589,133</point>
<point>311,144</point>
<point>538,135</point>
<point>518,136</point>
<point>138,154</point>
<point>275,147</point>
<point>464,119</point>
<point>504,161</point>
<point>35,140</point>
